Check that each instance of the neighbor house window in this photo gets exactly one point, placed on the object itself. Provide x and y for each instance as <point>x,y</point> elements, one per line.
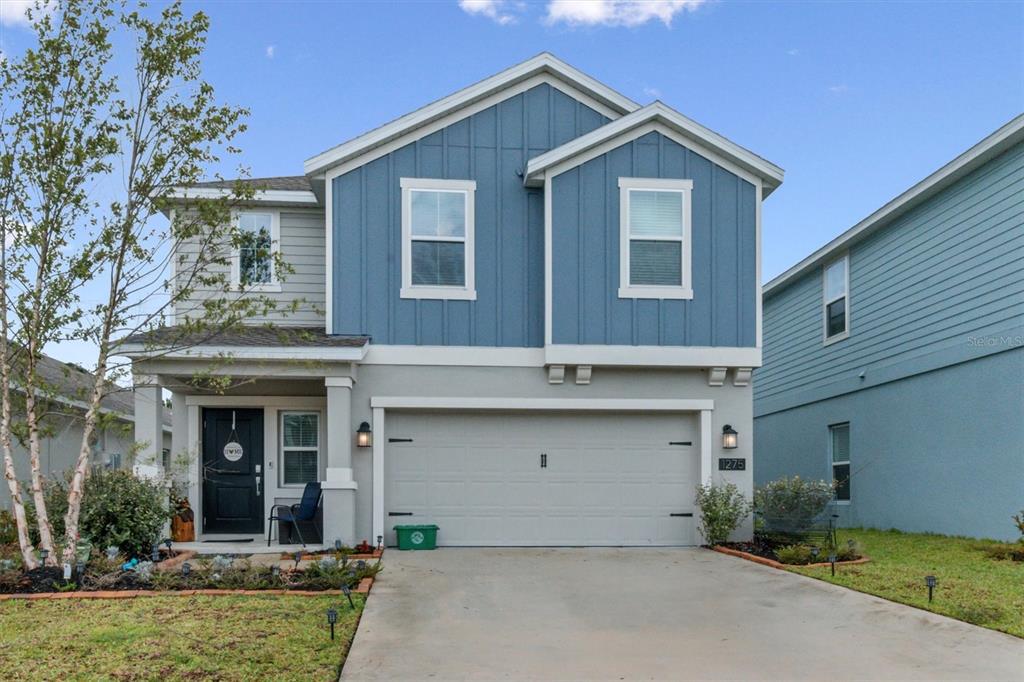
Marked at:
<point>836,302</point>
<point>300,447</point>
<point>253,265</point>
<point>437,238</point>
<point>839,437</point>
<point>654,244</point>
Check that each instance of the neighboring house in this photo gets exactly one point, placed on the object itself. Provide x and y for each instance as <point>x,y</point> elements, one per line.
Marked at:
<point>894,355</point>
<point>113,445</point>
<point>540,299</point>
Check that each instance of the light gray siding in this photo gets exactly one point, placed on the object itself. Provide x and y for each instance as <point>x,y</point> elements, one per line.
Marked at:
<point>943,284</point>
<point>303,246</point>
<point>586,308</point>
<point>492,148</point>
<point>940,452</point>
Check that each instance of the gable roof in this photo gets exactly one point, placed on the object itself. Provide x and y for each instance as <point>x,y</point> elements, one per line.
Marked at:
<point>285,183</point>
<point>992,146</point>
<point>670,120</point>
<point>544,63</point>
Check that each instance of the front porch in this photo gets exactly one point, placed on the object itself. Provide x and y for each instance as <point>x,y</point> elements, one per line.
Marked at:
<point>273,425</point>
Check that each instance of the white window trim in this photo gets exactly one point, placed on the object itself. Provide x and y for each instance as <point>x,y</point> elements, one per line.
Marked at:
<point>627,290</point>
<point>832,464</point>
<point>468,189</point>
<point>274,285</point>
<point>282,449</point>
<point>825,301</point>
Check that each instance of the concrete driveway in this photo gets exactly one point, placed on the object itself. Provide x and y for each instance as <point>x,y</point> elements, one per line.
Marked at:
<point>649,614</point>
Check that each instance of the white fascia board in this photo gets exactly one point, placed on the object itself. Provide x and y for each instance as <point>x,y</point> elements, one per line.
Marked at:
<point>553,70</point>
<point>652,356</point>
<point>454,356</point>
<point>266,196</point>
<point>545,404</point>
<point>326,353</point>
<point>993,145</point>
<point>671,123</point>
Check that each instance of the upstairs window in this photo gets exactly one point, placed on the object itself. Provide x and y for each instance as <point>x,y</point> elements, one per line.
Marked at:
<point>253,264</point>
<point>839,437</point>
<point>654,248</point>
<point>300,447</point>
<point>836,300</point>
<point>437,238</point>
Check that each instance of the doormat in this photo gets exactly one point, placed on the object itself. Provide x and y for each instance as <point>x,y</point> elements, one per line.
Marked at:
<point>229,540</point>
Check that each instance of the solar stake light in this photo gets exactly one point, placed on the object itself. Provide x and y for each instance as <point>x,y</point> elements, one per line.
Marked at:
<point>275,570</point>
<point>337,544</point>
<point>832,560</point>
<point>814,553</point>
<point>360,565</point>
<point>80,569</point>
<point>347,591</point>
<point>167,544</point>
<point>332,618</point>
<point>186,568</point>
<point>43,554</point>
<point>931,582</point>
<point>297,557</point>
<point>112,552</point>
<point>155,556</point>
<point>380,542</point>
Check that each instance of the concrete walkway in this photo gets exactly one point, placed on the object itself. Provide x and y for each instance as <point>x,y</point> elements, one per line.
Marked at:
<point>649,614</point>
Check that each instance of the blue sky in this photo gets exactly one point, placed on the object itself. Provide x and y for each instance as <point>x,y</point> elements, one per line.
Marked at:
<point>856,101</point>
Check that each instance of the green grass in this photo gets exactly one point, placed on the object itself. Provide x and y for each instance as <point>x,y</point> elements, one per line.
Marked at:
<point>175,638</point>
<point>971,586</point>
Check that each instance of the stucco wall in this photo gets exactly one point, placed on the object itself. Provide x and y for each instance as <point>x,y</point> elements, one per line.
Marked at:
<point>940,452</point>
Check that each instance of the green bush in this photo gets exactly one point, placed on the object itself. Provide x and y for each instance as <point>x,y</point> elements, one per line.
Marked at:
<point>722,509</point>
<point>118,509</point>
<point>8,528</point>
<point>791,505</point>
<point>1018,520</point>
<point>794,555</point>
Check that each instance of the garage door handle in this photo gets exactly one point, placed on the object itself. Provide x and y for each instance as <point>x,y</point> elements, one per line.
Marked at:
<point>680,442</point>
<point>399,513</point>
<point>399,440</point>
<point>682,514</point>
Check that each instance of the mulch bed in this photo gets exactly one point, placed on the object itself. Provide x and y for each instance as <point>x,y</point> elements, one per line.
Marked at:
<point>729,549</point>
<point>363,588</point>
<point>365,556</point>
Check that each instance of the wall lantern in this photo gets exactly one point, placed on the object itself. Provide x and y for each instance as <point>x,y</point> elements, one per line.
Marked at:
<point>729,437</point>
<point>364,436</point>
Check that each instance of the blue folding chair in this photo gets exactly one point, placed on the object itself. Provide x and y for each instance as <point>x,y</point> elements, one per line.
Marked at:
<point>305,510</point>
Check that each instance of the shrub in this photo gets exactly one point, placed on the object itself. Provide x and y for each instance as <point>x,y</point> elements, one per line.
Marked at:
<point>795,555</point>
<point>791,505</point>
<point>722,509</point>
<point>118,509</point>
<point>1011,551</point>
<point>1018,520</point>
<point>8,529</point>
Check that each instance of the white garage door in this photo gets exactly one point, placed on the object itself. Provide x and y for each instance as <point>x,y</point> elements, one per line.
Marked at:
<point>557,479</point>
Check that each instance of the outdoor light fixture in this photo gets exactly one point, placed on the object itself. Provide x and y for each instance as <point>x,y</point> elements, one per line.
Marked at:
<point>332,618</point>
<point>337,545</point>
<point>364,436</point>
<point>380,542</point>
<point>729,434</point>
<point>43,553</point>
<point>814,553</point>
<point>931,582</point>
<point>297,557</point>
<point>832,560</point>
<point>347,591</point>
<point>186,568</point>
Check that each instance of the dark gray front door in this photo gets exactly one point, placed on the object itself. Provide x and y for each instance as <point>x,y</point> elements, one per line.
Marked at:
<point>232,470</point>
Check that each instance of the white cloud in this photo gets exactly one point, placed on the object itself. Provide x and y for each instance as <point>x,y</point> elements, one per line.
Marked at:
<point>839,89</point>
<point>793,52</point>
<point>12,12</point>
<point>652,92</point>
<point>499,11</point>
<point>616,12</point>
<point>271,50</point>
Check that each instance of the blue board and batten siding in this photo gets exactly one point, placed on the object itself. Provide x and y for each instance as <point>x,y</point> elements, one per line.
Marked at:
<point>492,148</point>
<point>931,378</point>
<point>586,308</point>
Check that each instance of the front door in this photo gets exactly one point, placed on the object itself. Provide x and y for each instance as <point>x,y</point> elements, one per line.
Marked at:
<point>233,471</point>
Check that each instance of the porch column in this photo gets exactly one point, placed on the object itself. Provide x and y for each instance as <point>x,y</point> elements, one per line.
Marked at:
<point>338,487</point>
<point>149,426</point>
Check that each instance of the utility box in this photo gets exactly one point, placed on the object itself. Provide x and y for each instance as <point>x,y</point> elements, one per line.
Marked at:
<point>417,536</point>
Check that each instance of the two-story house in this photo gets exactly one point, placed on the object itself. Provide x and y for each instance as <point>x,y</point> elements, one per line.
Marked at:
<point>894,355</point>
<point>536,316</point>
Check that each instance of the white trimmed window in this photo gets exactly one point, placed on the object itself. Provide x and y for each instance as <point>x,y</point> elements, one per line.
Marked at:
<point>300,448</point>
<point>654,243</point>
<point>839,454</point>
<point>835,300</point>
<point>252,265</point>
<point>437,238</point>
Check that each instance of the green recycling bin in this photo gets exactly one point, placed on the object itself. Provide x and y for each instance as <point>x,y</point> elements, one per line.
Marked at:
<point>417,536</point>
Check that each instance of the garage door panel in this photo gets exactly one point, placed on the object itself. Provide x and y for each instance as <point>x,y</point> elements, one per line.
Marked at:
<point>609,479</point>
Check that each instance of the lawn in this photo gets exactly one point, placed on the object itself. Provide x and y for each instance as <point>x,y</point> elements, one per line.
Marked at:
<point>971,586</point>
<point>176,638</point>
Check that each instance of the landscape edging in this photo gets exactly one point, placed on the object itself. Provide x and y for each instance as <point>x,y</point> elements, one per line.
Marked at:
<point>781,566</point>
<point>363,588</point>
